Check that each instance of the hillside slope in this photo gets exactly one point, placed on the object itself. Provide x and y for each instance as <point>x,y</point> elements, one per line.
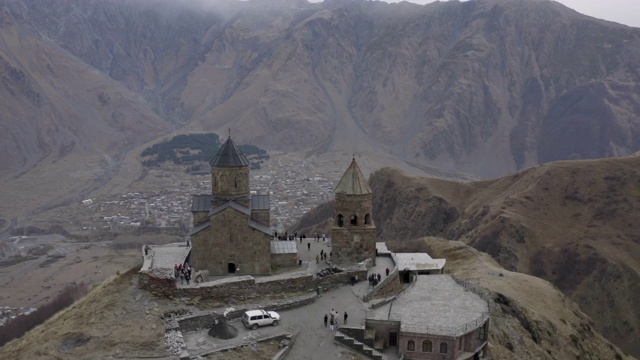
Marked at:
<point>63,125</point>
<point>529,318</point>
<point>573,223</point>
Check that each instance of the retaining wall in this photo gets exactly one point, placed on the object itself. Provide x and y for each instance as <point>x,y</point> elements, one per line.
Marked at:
<point>202,321</point>
<point>238,289</point>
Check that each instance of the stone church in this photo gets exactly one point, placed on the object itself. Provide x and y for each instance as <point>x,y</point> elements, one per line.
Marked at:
<point>231,227</point>
<point>353,233</point>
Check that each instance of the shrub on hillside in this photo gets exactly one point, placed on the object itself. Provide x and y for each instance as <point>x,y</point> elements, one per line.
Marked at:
<point>21,324</point>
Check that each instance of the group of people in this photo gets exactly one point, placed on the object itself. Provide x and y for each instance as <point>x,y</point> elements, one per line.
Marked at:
<point>317,236</point>
<point>322,256</point>
<point>332,319</point>
<point>182,272</point>
<point>289,237</point>
<point>374,279</point>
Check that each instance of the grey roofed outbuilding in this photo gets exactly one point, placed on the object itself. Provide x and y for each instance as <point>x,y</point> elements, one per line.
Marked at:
<point>229,156</point>
<point>437,305</point>
<point>201,202</point>
<point>283,247</point>
<point>260,202</point>
<point>417,262</point>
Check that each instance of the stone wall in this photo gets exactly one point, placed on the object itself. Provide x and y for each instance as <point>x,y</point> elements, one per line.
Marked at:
<point>199,217</point>
<point>436,340</point>
<point>262,216</point>
<point>162,283</point>
<point>230,239</point>
<point>383,328</point>
<point>389,286</point>
<point>158,281</point>
<point>229,182</point>
<point>202,321</point>
<point>283,261</point>
<point>353,242</point>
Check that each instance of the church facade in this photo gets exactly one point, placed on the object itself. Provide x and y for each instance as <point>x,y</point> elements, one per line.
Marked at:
<point>231,227</point>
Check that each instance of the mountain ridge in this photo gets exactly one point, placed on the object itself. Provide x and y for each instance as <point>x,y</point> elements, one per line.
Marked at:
<point>484,88</point>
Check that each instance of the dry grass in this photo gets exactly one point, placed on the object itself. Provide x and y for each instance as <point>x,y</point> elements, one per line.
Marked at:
<point>260,351</point>
<point>115,318</point>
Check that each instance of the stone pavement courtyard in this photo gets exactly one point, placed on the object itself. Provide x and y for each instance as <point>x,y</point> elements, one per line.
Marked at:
<point>314,340</point>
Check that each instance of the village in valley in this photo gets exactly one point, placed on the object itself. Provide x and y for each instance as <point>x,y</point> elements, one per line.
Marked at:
<point>295,186</point>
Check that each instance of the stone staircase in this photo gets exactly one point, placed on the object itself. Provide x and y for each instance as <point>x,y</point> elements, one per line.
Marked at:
<point>358,346</point>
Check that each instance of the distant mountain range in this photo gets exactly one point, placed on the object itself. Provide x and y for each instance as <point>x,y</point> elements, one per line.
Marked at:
<point>480,87</point>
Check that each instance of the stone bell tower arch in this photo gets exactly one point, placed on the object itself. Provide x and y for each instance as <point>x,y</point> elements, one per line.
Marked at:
<point>353,233</point>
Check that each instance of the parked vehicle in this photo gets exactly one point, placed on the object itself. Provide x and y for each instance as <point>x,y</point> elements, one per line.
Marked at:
<point>255,318</point>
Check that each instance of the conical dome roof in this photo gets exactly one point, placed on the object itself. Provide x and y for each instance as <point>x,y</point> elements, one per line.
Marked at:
<point>353,182</point>
<point>229,156</point>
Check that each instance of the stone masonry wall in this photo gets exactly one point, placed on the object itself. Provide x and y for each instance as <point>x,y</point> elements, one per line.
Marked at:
<point>279,261</point>
<point>197,322</point>
<point>162,283</point>
<point>353,242</point>
<point>229,181</point>
<point>390,286</point>
<point>230,239</point>
<point>200,217</point>
<point>262,216</point>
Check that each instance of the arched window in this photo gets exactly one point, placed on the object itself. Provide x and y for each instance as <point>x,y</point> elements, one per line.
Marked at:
<point>354,219</point>
<point>340,220</point>
<point>367,219</point>
<point>235,182</point>
<point>427,346</point>
<point>411,345</point>
<point>443,348</point>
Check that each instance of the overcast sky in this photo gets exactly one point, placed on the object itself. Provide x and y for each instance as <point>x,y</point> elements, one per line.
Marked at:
<point>621,11</point>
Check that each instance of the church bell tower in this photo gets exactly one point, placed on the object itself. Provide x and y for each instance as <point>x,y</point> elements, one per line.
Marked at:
<point>229,175</point>
<point>353,233</point>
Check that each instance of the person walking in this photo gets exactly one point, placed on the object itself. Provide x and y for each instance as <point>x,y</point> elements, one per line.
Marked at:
<point>331,323</point>
<point>387,271</point>
<point>308,246</point>
<point>345,317</point>
<point>326,320</point>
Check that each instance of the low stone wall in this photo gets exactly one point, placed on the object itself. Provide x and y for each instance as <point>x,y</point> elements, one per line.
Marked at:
<point>283,261</point>
<point>238,289</point>
<point>389,286</point>
<point>158,281</point>
<point>202,321</point>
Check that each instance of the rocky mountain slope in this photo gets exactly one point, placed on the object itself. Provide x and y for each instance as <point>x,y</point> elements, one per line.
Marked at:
<point>573,223</point>
<point>481,87</point>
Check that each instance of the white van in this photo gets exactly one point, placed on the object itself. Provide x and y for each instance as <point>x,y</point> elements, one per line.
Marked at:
<point>255,318</point>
